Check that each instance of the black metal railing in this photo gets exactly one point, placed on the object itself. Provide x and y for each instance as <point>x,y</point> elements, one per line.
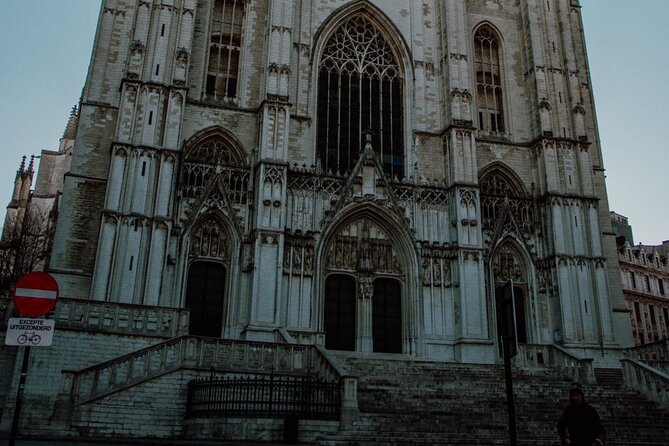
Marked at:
<point>265,396</point>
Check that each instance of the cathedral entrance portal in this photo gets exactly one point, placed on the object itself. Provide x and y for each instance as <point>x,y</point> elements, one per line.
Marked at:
<point>363,299</point>
<point>205,291</point>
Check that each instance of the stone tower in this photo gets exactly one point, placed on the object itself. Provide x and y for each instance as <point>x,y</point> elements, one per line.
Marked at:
<point>366,175</point>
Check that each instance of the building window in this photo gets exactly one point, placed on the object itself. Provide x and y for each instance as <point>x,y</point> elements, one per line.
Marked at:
<point>499,190</point>
<point>214,157</point>
<point>637,313</point>
<point>646,281</point>
<point>660,286</point>
<point>360,88</point>
<point>224,49</point>
<point>654,335</point>
<point>488,81</point>
<point>632,280</point>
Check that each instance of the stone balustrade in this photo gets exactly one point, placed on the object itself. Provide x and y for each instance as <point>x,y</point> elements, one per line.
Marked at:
<point>113,317</point>
<point>551,356</point>
<point>651,382</point>
<point>119,318</point>
<point>198,353</point>
<point>662,366</point>
<point>655,351</point>
<point>329,370</point>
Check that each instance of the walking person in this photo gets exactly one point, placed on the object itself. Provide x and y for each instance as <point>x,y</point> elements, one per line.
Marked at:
<point>580,424</point>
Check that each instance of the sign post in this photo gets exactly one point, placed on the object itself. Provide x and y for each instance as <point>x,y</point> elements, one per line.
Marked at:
<point>35,295</point>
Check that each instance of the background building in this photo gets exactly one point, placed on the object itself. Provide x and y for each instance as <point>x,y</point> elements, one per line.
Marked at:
<point>30,221</point>
<point>645,276</point>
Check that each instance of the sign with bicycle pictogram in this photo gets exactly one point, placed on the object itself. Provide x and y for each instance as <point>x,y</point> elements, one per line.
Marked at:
<point>28,332</point>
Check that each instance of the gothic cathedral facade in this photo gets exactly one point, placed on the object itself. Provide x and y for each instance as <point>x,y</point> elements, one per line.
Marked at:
<point>366,175</point>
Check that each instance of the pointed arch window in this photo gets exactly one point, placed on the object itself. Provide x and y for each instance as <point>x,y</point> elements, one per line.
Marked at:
<point>224,49</point>
<point>214,155</point>
<point>360,88</point>
<point>488,81</point>
<point>499,190</point>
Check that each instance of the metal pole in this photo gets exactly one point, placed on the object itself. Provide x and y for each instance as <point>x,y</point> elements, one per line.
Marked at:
<point>19,397</point>
<point>515,321</point>
<point>511,409</point>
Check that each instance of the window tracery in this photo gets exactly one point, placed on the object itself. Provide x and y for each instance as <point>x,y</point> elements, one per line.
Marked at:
<point>497,192</point>
<point>488,81</point>
<point>224,49</point>
<point>214,156</point>
<point>360,88</point>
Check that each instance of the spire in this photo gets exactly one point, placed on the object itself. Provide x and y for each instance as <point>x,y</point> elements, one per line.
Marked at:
<point>22,167</point>
<point>71,128</point>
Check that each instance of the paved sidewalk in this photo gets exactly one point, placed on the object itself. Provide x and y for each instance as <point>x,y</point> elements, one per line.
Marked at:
<point>33,442</point>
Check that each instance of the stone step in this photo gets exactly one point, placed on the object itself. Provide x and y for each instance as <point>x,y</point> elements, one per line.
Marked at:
<point>418,402</point>
<point>609,377</point>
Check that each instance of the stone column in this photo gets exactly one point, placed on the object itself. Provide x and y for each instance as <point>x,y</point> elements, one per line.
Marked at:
<point>364,341</point>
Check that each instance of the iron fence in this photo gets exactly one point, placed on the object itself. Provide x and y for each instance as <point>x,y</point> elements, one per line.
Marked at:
<point>264,397</point>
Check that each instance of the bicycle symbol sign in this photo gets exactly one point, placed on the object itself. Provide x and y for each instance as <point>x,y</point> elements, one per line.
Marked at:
<point>33,337</point>
<point>30,332</point>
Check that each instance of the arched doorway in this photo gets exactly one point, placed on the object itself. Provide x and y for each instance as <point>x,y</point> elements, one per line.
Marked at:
<point>387,316</point>
<point>339,317</point>
<point>205,291</point>
<point>363,286</point>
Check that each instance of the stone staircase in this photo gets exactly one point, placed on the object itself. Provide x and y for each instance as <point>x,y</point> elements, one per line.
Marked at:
<point>195,353</point>
<point>404,402</point>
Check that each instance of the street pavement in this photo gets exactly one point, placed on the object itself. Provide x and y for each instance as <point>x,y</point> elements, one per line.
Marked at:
<point>39,442</point>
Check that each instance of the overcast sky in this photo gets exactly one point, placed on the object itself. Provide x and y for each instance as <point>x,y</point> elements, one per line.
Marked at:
<point>46,48</point>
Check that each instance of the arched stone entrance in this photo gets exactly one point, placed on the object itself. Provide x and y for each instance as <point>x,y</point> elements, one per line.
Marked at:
<point>207,276</point>
<point>363,290</point>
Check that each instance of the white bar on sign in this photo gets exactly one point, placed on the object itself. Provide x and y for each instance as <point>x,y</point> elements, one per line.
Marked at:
<point>27,292</point>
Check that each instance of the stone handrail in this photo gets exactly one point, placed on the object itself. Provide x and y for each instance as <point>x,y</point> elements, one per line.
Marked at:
<point>653,383</point>
<point>112,317</point>
<point>120,318</point>
<point>349,398</point>
<point>662,366</point>
<point>329,369</point>
<point>656,351</point>
<point>197,353</point>
<point>551,356</point>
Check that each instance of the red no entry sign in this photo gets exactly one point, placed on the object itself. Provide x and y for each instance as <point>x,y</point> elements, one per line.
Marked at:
<point>35,294</point>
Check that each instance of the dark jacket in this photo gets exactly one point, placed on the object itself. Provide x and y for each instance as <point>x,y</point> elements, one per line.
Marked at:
<point>581,424</point>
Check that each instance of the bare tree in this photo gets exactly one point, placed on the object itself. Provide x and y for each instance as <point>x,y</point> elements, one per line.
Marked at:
<point>23,246</point>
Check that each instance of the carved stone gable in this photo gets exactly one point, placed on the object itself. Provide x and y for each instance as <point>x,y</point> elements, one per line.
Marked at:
<point>367,182</point>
